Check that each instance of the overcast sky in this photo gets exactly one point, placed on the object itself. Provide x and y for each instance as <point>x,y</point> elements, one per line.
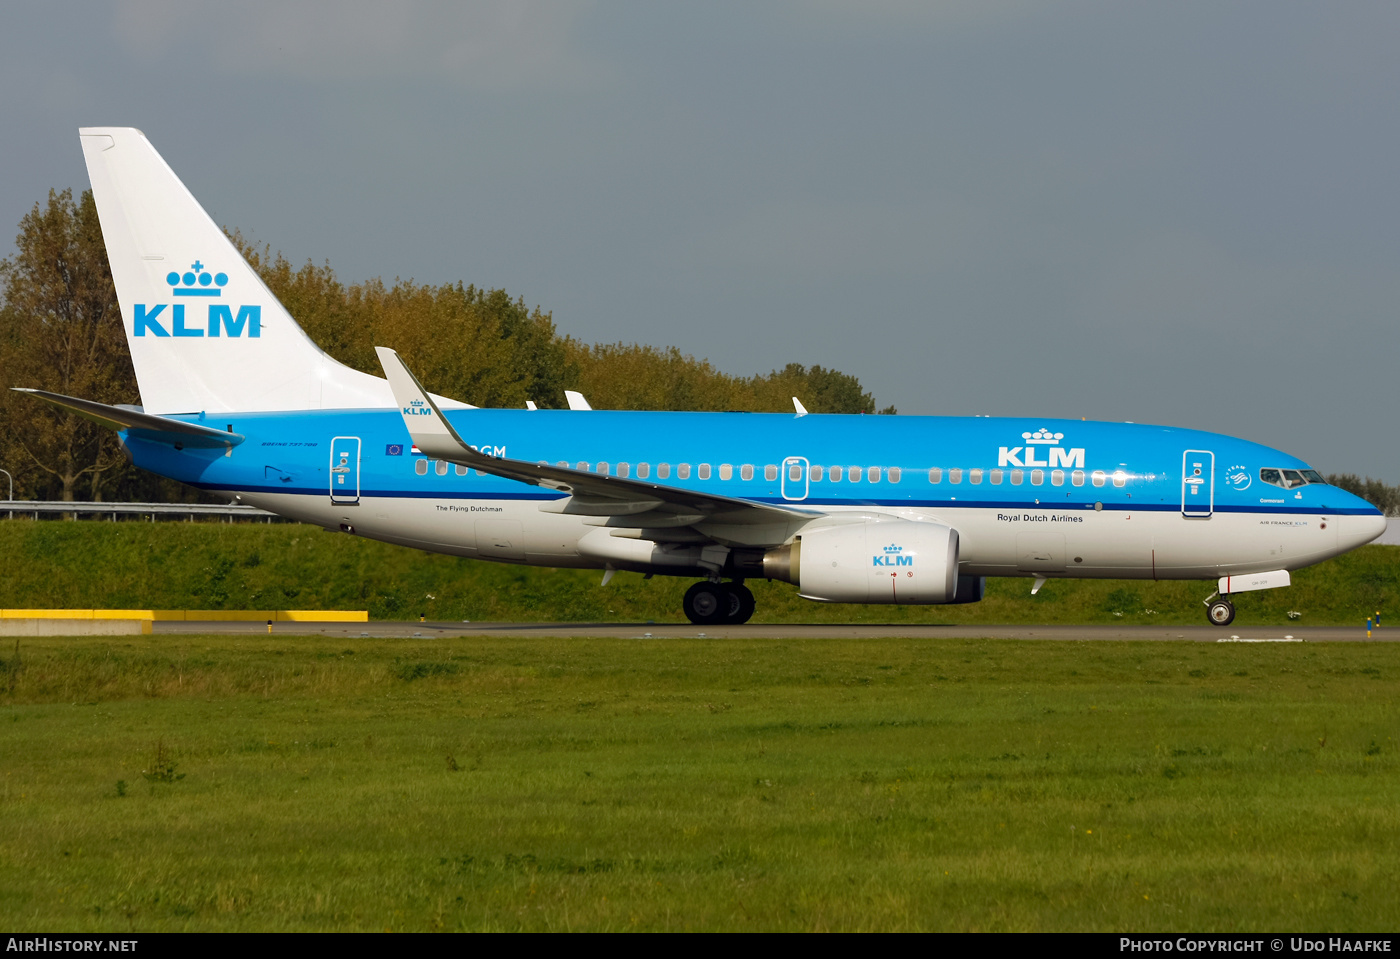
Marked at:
<point>1181,213</point>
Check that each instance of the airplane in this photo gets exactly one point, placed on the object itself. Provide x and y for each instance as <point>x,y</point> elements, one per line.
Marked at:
<point>236,399</point>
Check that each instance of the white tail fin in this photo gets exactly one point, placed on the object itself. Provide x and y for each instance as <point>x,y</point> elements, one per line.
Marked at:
<point>205,332</point>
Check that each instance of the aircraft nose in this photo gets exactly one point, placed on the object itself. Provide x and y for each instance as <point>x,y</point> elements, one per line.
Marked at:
<point>1359,530</point>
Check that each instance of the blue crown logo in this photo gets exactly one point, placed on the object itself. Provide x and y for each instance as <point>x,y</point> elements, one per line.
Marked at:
<point>894,549</point>
<point>197,282</point>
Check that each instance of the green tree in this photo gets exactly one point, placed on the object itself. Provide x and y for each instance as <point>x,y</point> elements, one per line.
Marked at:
<point>62,331</point>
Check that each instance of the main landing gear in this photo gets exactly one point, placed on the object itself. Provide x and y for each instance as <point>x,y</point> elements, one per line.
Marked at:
<point>713,604</point>
<point>1220,611</point>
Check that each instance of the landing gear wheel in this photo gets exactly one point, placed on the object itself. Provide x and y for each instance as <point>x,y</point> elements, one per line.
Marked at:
<point>1221,612</point>
<point>706,603</point>
<point>741,604</point>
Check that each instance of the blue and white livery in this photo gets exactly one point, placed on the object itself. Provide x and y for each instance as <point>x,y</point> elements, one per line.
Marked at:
<point>855,509</point>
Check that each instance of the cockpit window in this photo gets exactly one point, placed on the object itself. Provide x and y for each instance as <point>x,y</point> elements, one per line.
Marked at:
<point>1290,479</point>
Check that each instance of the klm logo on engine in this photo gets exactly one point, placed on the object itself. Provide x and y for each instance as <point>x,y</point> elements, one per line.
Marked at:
<point>892,556</point>
<point>417,408</point>
<point>1059,456</point>
<point>218,320</point>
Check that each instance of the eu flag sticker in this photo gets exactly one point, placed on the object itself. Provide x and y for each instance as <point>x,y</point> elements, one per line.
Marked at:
<point>393,449</point>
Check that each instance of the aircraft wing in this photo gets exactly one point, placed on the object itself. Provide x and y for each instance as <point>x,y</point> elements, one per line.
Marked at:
<point>148,426</point>
<point>626,502</point>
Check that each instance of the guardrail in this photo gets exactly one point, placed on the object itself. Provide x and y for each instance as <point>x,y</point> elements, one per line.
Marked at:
<point>189,512</point>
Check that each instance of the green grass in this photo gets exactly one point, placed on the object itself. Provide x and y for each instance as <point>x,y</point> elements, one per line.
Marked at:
<point>214,566</point>
<point>282,783</point>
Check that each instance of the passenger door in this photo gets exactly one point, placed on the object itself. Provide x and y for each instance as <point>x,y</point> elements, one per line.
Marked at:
<point>1198,483</point>
<point>345,470</point>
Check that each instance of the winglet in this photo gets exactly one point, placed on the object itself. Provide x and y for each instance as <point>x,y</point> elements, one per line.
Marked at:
<point>431,432</point>
<point>530,405</point>
<point>576,400</point>
<point>801,410</point>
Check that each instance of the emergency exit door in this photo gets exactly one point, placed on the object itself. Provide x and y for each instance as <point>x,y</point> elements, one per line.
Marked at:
<point>345,470</point>
<point>1197,483</point>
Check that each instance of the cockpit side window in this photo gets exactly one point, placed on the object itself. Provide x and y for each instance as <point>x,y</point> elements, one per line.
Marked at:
<point>1290,479</point>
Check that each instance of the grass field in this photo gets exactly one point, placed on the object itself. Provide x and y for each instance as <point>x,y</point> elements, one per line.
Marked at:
<point>274,783</point>
<point>212,566</point>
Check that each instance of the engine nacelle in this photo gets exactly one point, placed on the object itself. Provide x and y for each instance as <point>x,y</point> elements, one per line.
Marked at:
<point>891,562</point>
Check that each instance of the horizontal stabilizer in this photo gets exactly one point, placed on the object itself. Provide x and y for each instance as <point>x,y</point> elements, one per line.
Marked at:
<point>146,426</point>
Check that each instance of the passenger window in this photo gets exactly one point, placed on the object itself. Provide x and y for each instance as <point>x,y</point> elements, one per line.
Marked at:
<point>955,476</point>
<point>974,477</point>
<point>746,471</point>
<point>562,463</point>
<point>704,471</point>
<point>1037,477</point>
<point>726,472</point>
<point>643,470</point>
<point>602,469</point>
<point>441,468</point>
<point>480,473</point>
<point>461,470</point>
<point>663,470</point>
<point>770,472</point>
<point>816,474</point>
<point>836,474</point>
<point>996,477</point>
<point>854,471</point>
<point>874,474</point>
<point>1016,477</point>
<point>1057,477</point>
<point>583,467</point>
<point>935,476</point>
<point>895,474</point>
<point>1098,477</point>
<point>1120,478</point>
<point>421,467</point>
<point>683,471</point>
<point>624,470</point>
<point>1077,477</point>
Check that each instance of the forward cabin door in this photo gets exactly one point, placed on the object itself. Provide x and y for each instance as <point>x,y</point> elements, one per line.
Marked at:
<point>1198,483</point>
<point>345,470</point>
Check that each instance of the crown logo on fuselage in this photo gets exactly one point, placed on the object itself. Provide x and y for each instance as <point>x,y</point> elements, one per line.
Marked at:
<point>1027,455</point>
<point>197,281</point>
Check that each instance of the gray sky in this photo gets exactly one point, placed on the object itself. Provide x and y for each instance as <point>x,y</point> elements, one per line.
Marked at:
<point>1182,213</point>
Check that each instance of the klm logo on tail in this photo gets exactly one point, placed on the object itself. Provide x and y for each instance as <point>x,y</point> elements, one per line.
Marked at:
<point>219,319</point>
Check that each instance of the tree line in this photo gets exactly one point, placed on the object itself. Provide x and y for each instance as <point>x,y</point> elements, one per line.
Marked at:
<point>61,330</point>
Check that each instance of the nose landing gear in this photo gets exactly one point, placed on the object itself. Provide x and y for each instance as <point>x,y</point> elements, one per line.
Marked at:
<point>712,604</point>
<point>1220,611</point>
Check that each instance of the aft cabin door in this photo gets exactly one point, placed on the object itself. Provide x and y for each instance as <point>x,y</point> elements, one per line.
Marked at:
<point>345,469</point>
<point>1197,483</point>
